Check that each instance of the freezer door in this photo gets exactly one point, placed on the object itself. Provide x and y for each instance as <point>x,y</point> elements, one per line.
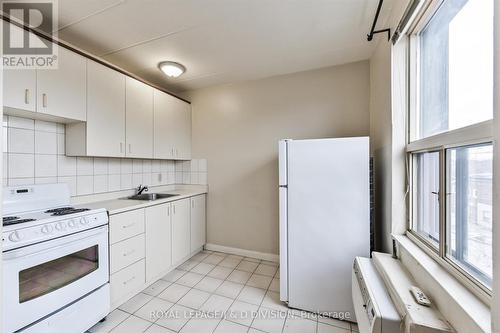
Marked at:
<point>282,160</point>
<point>328,221</point>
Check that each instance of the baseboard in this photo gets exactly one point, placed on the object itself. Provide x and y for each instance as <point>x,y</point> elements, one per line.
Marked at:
<point>242,252</point>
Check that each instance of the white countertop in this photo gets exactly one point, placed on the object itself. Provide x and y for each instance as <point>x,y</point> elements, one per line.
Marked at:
<point>116,206</point>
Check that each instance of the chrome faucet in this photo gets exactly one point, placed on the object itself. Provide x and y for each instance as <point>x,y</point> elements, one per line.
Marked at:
<point>141,189</point>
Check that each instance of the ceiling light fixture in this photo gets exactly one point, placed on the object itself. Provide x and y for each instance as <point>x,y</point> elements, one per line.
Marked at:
<point>171,69</point>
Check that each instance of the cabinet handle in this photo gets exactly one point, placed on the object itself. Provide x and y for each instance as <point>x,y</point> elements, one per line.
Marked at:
<point>128,253</point>
<point>129,280</point>
<point>172,153</point>
<point>121,147</point>
<point>168,211</point>
<point>26,96</point>
<point>128,225</point>
<point>173,206</point>
<point>129,148</point>
<point>44,100</point>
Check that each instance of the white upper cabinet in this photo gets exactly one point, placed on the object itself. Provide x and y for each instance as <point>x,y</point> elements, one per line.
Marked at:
<point>19,85</point>
<point>19,89</point>
<point>164,126</point>
<point>183,132</point>
<point>105,111</point>
<point>62,91</point>
<point>139,119</point>
<point>172,127</point>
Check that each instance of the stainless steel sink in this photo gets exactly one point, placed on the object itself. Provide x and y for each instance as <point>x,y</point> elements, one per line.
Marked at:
<point>150,196</point>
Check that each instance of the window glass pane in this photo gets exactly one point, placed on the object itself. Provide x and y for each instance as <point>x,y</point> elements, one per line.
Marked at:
<point>469,209</point>
<point>426,199</point>
<point>456,67</point>
<point>49,276</point>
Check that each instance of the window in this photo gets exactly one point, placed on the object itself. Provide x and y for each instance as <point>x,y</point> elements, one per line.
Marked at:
<point>450,133</point>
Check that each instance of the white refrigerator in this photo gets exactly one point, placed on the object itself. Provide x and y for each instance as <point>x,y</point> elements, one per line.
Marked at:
<point>324,195</point>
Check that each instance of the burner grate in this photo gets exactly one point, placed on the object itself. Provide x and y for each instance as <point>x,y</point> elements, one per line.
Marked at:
<point>16,221</point>
<point>10,218</point>
<point>57,210</point>
<point>69,211</point>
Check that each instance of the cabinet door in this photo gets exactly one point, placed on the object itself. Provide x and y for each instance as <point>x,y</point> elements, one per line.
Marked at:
<point>61,92</point>
<point>105,111</point>
<point>19,85</point>
<point>181,234</point>
<point>184,131</point>
<point>198,222</point>
<point>139,119</point>
<point>164,125</point>
<point>19,89</point>
<point>158,241</point>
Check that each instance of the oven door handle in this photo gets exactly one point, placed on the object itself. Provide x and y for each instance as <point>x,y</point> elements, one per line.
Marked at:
<point>28,252</point>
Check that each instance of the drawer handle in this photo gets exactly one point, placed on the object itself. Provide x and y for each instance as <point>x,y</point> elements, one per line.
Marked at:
<point>26,96</point>
<point>128,253</point>
<point>129,280</point>
<point>128,225</point>
<point>44,100</point>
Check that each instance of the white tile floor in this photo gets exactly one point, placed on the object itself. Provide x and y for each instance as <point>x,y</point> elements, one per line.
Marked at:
<point>193,297</point>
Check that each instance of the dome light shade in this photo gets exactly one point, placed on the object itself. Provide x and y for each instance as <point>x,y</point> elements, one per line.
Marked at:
<point>171,69</point>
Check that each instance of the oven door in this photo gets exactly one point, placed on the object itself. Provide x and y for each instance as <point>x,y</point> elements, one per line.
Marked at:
<point>43,278</point>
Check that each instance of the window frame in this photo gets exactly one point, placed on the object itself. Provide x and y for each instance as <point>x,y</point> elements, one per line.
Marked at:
<point>476,134</point>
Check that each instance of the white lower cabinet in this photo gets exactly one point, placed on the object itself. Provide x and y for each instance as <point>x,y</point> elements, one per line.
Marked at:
<point>147,243</point>
<point>181,230</point>
<point>126,252</point>
<point>158,241</point>
<point>198,222</point>
<point>125,283</point>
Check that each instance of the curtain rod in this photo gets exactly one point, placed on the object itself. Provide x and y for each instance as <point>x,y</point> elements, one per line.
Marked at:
<point>373,31</point>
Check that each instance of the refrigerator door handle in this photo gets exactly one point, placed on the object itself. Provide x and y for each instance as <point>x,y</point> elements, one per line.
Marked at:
<point>283,186</point>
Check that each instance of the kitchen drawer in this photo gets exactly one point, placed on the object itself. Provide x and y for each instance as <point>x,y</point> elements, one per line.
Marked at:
<point>127,252</point>
<point>127,281</point>
<point>126,225</point>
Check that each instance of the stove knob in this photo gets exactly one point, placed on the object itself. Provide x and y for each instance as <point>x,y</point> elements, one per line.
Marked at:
<point>15,236</point>
<point>47,229</point>
<point>61,226</point>
<point>84,221</point>
<point>72,224</point>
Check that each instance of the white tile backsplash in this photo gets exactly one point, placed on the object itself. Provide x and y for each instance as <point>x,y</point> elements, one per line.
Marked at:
<point>45,126</point>
<point>21,166</point>
<point>100,166</point>
<point>45,165</point>
<point>84,185</point>
<point>66,166</point>
<point>21,141</point>
<point>16,122</point>
<point>45,143</point>
<point>34,152</point>
<point>84,166</point>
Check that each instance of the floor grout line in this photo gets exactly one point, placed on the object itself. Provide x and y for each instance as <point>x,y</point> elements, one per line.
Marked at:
<point>214,292</point>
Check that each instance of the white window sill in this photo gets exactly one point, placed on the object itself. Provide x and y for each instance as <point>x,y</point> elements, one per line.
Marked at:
<point>462,308</point>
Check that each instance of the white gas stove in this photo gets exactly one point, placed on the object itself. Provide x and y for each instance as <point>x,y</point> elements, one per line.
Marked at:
<point>55,261</point>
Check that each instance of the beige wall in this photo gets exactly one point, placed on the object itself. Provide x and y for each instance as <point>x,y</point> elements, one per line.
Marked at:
<point>237,128</point>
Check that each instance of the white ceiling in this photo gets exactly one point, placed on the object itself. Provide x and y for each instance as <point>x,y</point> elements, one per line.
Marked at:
<point>221,41</point>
